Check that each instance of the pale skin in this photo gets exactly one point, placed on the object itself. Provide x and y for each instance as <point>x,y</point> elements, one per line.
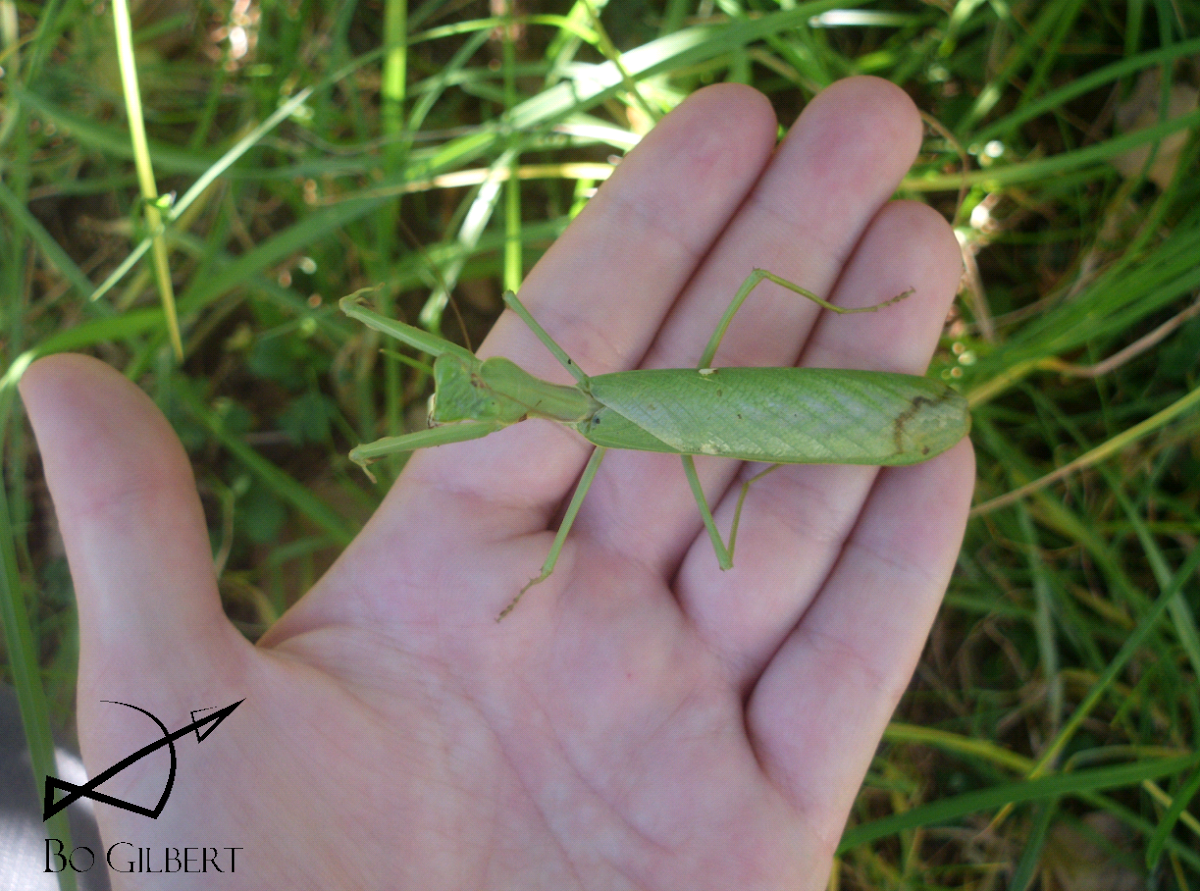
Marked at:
<point>643,720</point>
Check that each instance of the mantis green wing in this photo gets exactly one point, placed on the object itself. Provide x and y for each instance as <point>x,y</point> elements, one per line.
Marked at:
<point>778,415</point>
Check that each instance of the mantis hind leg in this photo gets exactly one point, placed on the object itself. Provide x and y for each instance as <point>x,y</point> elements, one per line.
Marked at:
<point>724,554</point>
<point>585,483</point>
<point>753,280</point>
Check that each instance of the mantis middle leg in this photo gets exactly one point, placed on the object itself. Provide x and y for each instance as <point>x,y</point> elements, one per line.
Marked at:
<point>581,490</point>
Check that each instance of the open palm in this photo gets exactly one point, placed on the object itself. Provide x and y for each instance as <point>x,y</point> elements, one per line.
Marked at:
<point>641,720</point>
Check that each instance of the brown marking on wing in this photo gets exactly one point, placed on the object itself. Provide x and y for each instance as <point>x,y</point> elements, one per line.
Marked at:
<point>914,406</point>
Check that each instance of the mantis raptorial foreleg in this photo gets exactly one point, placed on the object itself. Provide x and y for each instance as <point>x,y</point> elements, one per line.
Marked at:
<point>421,439</point>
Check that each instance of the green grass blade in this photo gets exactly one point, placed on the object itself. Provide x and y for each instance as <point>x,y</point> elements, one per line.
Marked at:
<point>1183,797</point>
<point>50,250</point>
<point>299,496</point>
<point>1131,645</point>
<point>996,797</point>
<point>141,153</point>
<point>21,645</point>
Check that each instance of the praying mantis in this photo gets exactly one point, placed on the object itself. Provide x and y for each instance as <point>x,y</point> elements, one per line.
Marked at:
<point>772,415</point>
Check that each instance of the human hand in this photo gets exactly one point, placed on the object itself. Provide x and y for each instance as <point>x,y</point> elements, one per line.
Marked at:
<point>641,720</point>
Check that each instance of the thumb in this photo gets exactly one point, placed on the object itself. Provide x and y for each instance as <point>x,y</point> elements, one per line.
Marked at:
<point>133,529</point>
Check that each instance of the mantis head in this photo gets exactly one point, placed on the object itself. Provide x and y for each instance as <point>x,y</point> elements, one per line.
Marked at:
<point>462,393</point>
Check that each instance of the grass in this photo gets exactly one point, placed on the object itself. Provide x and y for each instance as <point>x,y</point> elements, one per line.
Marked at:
<point>1050,737</point>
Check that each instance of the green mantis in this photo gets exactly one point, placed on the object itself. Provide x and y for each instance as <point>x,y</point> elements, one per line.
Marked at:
<point>773,415</point>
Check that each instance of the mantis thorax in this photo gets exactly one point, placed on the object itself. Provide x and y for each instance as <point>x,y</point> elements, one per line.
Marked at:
<point>497,389</point>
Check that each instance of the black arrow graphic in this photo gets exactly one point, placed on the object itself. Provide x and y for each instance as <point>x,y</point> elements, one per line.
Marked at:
<point>88,789</point>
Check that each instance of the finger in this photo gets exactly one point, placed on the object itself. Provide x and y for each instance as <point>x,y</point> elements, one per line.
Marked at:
<point>795,522</point>
<point>839,164</point>
<point>828,693</point>
<point>601,292</point>
<point>132,526</point>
